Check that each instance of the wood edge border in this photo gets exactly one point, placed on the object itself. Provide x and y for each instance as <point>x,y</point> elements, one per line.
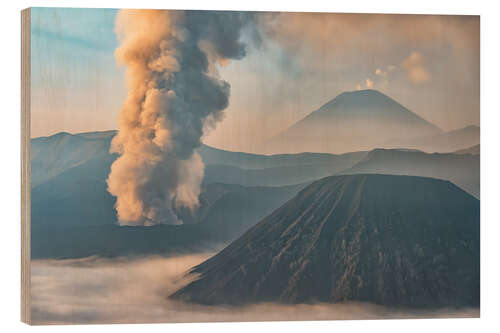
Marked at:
<point>25,165</point>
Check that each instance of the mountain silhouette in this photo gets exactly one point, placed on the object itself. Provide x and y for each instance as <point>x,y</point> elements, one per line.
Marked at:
<point>352,121</point>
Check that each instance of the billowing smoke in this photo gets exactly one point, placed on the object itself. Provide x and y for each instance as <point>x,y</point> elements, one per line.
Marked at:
<point>174,95</point>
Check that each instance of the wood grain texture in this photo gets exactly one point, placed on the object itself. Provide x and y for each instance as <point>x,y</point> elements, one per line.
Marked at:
<point>25,165</point>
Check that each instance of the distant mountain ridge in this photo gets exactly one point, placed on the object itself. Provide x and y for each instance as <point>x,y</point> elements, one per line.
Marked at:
<point>384,239</point>
<point>85,158</point>
<point>53,155</point>
<point>70,201</point>
<point>441,143</point>
<point>463,170</point>
<point>474,150</point>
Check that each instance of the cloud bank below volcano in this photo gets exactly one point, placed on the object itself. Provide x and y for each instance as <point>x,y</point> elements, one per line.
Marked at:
<point>135,290</point>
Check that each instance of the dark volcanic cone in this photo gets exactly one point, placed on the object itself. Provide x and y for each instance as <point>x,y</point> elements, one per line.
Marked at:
<point>391,240</point>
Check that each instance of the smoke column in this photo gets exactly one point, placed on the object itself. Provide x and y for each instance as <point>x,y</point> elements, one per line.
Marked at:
<point>173,95</point>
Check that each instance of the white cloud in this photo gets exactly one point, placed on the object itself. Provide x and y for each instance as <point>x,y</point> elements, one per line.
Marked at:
<point>124,290</point>
<point>416,70</point>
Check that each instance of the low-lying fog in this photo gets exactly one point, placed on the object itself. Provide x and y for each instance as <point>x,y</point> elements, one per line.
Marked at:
<point>125,290</point>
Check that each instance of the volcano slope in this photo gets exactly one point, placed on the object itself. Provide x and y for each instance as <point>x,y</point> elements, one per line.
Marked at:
<point>399,241</point>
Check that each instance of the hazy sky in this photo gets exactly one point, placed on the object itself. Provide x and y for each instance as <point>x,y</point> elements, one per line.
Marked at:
<point>430,64</point>
<point>76,84</point>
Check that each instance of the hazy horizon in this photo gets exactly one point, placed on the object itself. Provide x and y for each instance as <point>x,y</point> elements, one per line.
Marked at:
<point>354,121</point>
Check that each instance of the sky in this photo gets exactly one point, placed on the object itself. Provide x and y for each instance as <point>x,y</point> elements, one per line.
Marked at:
<point>76,84</point>
<point>430,64</point>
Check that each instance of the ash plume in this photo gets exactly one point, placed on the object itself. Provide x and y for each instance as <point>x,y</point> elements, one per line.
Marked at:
<point>174,96</point>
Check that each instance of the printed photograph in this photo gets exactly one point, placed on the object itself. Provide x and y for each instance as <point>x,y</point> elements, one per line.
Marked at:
<point>212,166</point>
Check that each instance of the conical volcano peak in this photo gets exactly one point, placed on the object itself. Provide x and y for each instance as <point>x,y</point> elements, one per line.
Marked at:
<point>370,102</point>
<point>391,240</point>
<point>357,95</point>
<point>353,121</point>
